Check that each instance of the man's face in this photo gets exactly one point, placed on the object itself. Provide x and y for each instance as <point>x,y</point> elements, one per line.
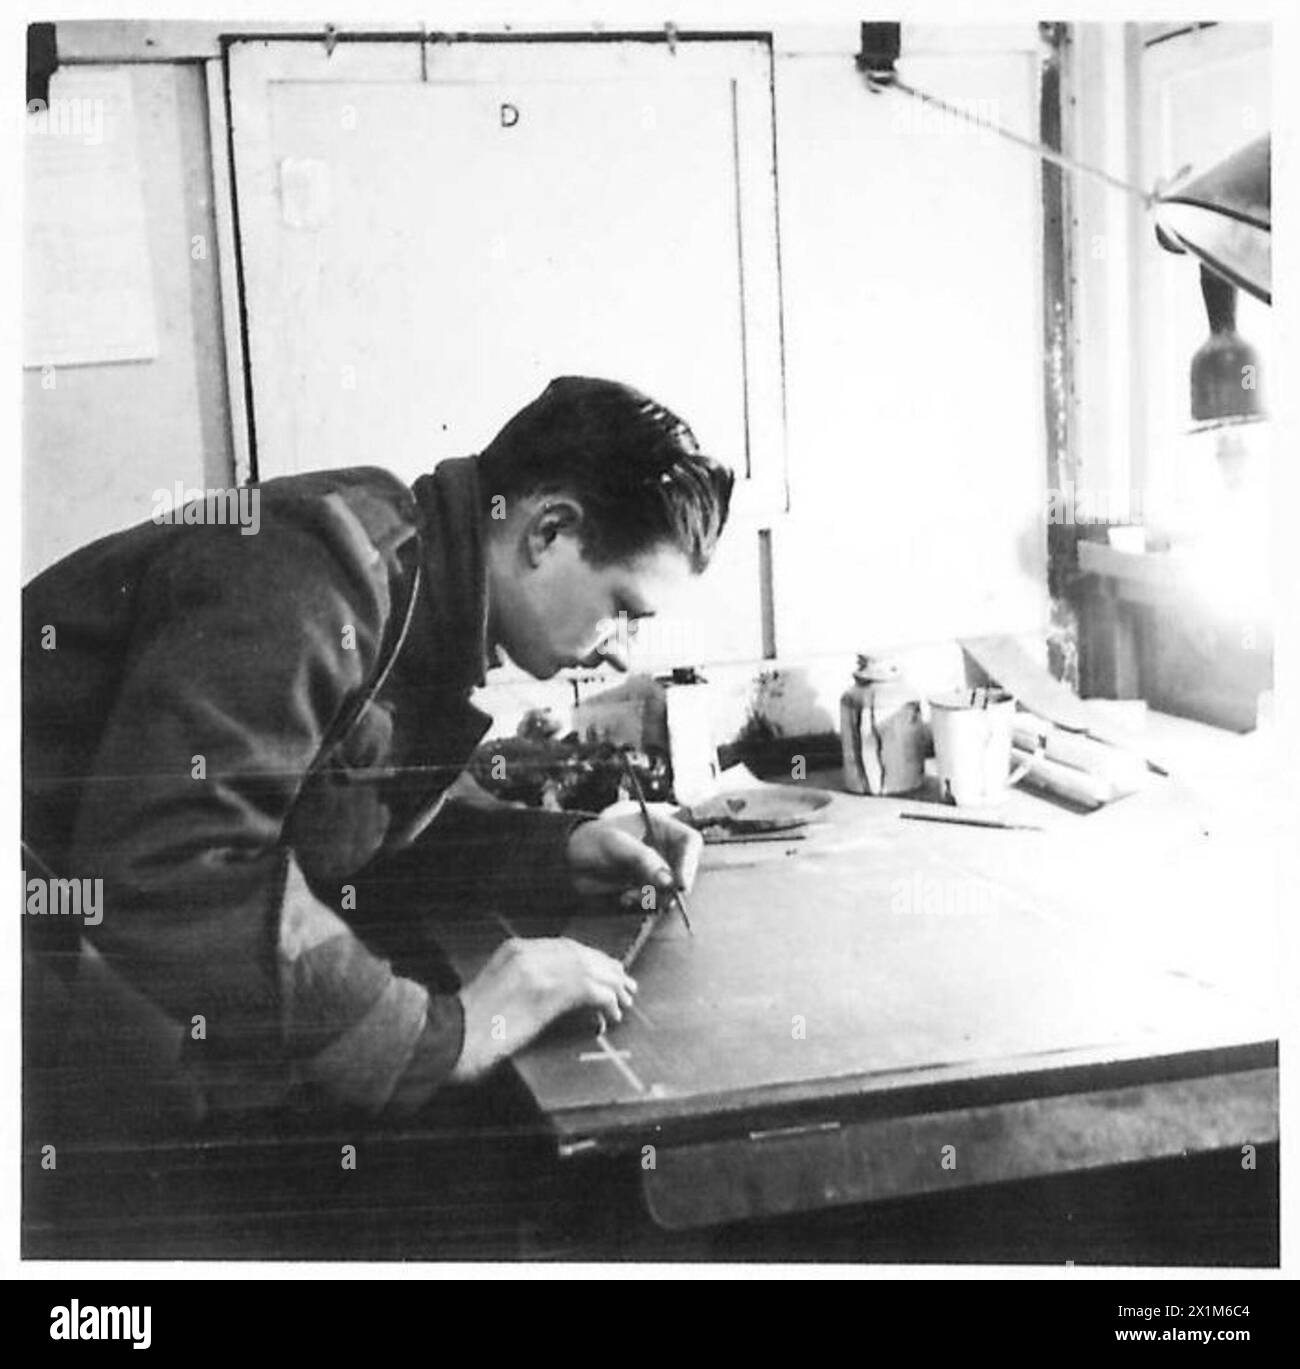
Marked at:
<point>552,608</point>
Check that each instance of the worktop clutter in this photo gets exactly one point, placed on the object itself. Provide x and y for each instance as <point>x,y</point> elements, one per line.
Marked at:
<point>923,721</point>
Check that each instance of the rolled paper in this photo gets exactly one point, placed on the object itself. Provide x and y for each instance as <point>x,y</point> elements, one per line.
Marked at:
<point>1078,786</point>
<point>1122,770</point>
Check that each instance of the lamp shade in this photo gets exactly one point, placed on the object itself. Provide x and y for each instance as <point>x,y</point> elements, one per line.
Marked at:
<point>1223,216</point>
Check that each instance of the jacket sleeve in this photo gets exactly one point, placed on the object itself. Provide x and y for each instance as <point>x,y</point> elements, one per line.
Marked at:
<point>509,856</point>
<point>245,650</point>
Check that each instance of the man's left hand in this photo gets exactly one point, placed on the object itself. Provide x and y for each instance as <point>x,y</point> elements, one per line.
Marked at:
<point>609,854</point>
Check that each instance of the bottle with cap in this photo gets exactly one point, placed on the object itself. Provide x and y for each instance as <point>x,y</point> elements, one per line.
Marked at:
<point>882,731</point>
<point>692,752</point>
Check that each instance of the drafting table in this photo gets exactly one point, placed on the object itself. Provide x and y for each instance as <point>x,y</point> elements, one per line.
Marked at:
<point>892,1008</point>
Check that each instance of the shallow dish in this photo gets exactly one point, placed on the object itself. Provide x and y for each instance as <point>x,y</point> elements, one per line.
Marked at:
<point>763,808</point>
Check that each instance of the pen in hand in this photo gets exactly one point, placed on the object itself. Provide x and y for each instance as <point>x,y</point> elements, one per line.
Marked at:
<point>649,833</point>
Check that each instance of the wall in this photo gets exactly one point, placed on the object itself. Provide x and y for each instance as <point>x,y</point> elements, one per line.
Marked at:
<point>911,262</point>
<point>98,444</point>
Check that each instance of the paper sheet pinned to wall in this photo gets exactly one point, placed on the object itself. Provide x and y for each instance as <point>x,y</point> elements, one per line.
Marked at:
<point>88,287</point>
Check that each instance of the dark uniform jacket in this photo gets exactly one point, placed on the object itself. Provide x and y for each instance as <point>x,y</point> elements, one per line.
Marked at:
<point>202,732</point>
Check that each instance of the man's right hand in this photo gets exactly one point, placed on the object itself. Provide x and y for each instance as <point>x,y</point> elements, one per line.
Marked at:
<point>525,986</point>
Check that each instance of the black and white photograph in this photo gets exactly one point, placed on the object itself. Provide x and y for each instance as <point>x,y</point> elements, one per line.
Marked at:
<point>653,639</point>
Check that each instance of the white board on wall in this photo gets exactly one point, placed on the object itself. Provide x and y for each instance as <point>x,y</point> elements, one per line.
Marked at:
<point>87,286</point>
<point>429,239</point>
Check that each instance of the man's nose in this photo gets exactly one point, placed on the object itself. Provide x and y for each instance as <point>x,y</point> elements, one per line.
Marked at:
<point>607,653</point>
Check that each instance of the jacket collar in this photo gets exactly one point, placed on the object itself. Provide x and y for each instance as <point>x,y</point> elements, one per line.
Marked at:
<point>455,570</point>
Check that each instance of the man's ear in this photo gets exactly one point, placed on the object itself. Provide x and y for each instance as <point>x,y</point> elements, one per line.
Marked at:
<point>552,517</point>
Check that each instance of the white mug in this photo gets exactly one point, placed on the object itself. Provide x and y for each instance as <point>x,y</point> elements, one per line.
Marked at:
<point>972,745</point>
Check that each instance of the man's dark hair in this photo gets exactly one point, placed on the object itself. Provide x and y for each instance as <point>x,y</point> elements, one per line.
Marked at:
<point>635,467</point>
